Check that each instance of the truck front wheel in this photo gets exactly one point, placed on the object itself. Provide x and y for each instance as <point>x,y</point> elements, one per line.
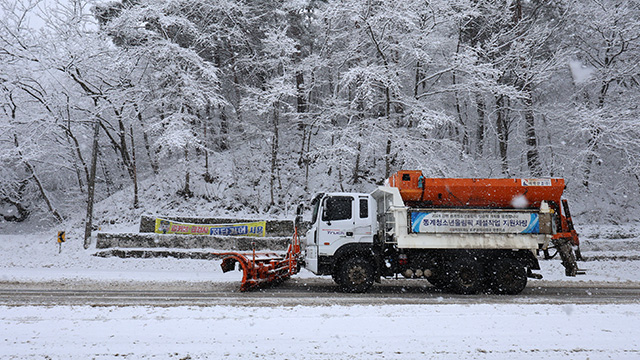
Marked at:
<point>355,275</point>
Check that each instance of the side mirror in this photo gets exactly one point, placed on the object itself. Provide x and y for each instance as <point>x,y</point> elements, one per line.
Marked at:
<point>325,217</point>
<point>298,219</point>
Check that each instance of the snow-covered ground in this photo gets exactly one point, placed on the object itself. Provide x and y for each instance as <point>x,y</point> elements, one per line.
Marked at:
<point>476,331</point>
<point>330,332</point>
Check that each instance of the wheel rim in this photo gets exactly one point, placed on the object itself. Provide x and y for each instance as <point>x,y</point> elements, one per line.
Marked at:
<point>467,277</point>
<point>357,275</point>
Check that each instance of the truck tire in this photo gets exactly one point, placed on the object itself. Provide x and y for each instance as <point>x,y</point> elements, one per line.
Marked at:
<point>336,278</point>
<point>355,275</point>
<point>507,277</point>
<point>465,276</point>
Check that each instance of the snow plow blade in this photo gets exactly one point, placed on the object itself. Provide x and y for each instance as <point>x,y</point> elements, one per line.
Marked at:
<point>263,268</point>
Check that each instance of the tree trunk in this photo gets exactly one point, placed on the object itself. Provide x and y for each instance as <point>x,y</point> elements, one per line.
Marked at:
<point>387,150</point>
<point>502,129</point>
<point>301,158</point>
<point>35,178</point>
<point>236,88</point>
<point>91,185</point>
<point>355,179</point>
<point>221,142</point>
<point>186,191</point>
<point>592,145</point>
<point>108,182</point>
<point>136,203</point>
<point>355,175</point>
<point>274,156</point>
<point>76,146</point>
<point>302,108</point>
<point>207,175</point>
<point>417,80</point>
<point>147,145</point>
<point>301,101</point>
<point>119,143</point>
<point>224,130</point>
<point>387,159</point>
<point>533,156</point>
<point>481,109</point>
<point>126,158</point>
<point>592,142</point>
<point>307,162</point>
<point>53,210</point>
<point>465,135</point>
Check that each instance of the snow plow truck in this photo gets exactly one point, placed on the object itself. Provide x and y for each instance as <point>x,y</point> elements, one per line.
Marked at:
<point>462,235</point>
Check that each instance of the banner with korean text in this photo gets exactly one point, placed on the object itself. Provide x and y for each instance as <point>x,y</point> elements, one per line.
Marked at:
<point>257,228</point>
<point>505,222</point>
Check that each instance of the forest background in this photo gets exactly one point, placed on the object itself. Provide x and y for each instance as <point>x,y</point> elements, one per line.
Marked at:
<point>250,107</point>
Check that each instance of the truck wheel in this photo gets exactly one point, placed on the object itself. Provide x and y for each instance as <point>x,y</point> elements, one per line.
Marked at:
<point>355,275</point>
<point>336,278</point>
<point>507,277</point>
<point>465,276</point>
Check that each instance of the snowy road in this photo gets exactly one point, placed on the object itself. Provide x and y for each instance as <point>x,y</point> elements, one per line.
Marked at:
<point>310,292</point>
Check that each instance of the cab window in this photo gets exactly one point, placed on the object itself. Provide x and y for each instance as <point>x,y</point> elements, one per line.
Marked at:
<point>364,208</point>
<point>337,208</point>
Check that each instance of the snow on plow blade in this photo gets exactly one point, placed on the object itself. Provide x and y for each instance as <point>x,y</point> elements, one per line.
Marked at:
<point>263,268</point>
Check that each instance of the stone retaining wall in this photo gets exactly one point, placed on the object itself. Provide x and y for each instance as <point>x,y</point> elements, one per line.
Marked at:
<point>151,254</point>
<point>152,240</point>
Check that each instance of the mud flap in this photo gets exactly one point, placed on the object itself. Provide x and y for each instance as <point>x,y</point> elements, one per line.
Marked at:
<point>567,255</point>
<point>565,241</point>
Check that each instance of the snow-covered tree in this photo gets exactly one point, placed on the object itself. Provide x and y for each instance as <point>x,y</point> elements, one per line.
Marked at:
<point>168,84</point>
<point>606,36</point>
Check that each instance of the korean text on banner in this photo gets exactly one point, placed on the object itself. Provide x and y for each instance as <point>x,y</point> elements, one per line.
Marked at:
<point>257,228</point>
<point>475,222</point>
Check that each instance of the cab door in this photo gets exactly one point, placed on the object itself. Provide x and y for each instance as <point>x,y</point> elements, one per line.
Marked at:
<point>364,218</point>
<point>311,239</point>
<point>336,225</point>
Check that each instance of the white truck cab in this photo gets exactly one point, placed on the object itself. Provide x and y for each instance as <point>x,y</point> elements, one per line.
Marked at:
<point>338,219</point>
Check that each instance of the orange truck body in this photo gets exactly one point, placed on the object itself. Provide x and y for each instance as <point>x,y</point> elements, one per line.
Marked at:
<point>418,191</point>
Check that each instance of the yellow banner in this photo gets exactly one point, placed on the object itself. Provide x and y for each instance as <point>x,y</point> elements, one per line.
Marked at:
<point>243,229</point>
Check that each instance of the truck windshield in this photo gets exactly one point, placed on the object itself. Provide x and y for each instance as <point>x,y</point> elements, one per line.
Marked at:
<point>315,204</point>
